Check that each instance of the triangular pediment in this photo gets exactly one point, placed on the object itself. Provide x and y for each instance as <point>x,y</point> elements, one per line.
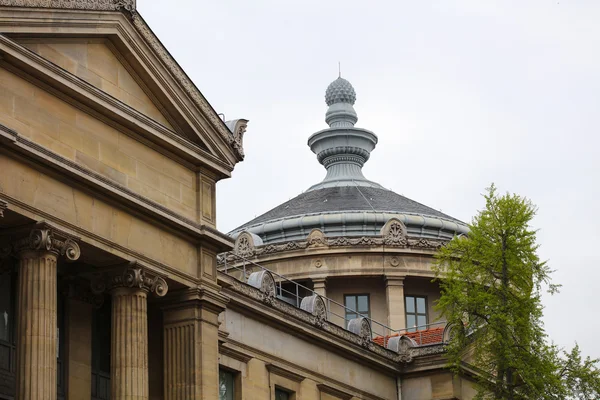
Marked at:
<point>97,62</point>
<point>111,59</point>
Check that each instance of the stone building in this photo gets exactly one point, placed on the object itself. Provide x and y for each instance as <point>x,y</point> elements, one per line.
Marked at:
<point>114,280</point>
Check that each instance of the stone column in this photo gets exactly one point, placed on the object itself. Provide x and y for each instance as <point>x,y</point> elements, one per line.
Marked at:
<point>320,287</point>
<point>37,293</point>
<point>191,344</point>
<point>129,329</point>
<point>394,293</point>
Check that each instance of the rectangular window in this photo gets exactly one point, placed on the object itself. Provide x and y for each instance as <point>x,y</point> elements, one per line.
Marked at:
<point>281,394</point>
<point>357,305</point>
<point>416,313</point>
<point>226,385</point>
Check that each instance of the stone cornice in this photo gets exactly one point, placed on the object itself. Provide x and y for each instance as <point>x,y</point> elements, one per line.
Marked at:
<point>158,50</point>
<point>124,196</point>
<point>284,372</point>
<point>206,297</point>
<point>334,392</point>
<point>114,112</point>
<point>225,350</point>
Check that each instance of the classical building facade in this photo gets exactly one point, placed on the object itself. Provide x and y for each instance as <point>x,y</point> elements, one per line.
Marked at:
<point>116,284</point>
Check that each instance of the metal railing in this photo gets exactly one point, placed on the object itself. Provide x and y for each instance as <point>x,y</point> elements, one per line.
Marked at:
<point>293,292</point>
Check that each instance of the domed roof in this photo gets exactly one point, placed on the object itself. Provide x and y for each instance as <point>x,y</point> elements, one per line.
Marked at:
<point>345,203</point>
<point>340,91</point>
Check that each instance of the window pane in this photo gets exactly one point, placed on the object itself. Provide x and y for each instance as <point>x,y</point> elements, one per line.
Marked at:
<point>421,305</point>
<point>225,385</point>
<point>5,311</point>
<point>410,321</point>
<point>422,321</point>
<point>351,302</point>
<point>410,304</point>
<point>281,395</point>
<point>363,304</point>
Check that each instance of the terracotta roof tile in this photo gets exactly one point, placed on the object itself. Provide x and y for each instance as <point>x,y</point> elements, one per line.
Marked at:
<point>422,337</point>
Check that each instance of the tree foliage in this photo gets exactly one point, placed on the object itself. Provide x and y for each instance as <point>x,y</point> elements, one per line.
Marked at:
<point>491,285</point>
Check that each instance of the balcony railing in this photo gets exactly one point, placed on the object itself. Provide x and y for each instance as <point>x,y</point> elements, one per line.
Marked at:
<point>293,293</point>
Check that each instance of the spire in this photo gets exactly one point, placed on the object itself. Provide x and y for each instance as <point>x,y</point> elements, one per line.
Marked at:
<point>342,149</point>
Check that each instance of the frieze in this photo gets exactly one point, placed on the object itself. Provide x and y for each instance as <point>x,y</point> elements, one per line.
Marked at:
<point>92,5</point>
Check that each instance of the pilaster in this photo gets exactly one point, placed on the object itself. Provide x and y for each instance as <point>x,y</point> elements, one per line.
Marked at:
<point>320,286</point>
<point>394,294</point>
<point>191,344</point>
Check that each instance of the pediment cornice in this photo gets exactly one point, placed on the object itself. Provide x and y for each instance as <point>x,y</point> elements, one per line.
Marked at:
<point>128,27</point>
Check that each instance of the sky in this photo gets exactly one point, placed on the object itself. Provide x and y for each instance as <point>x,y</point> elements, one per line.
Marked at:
<point>461,93</point>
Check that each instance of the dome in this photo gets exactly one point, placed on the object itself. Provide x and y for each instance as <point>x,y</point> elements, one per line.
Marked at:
<point>340,91</point>
<point>345,202</point>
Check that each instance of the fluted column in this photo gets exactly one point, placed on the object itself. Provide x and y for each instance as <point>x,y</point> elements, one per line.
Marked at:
<point>394,293</point>
<point>36,352</point>
<point>191,344</point>
<point>129,329</point>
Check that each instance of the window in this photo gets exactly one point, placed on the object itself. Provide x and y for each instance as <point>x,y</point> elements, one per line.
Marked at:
<point>416,313</point>
<point>226,385</point>
<point>357,305</point>
<point>281,394</point>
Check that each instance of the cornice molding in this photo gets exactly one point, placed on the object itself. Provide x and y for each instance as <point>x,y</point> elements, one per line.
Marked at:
<point>284,372</point>
<point>334,392</point>
<point>93,5</point>
<point>225,350</point>
<point>111,189</point>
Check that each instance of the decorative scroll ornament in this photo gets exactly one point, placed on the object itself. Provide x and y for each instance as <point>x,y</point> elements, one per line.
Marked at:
<point>403,345</point>
<point>264,281</point>
<point>43,237</point>
<point>394,233</point>
<point>131,277</point>
<point>451,330</point>
<point>3,206</point>
<point>362,327</point>
<point>238,128</point>
<point>316,238</point>
<point>244,245</point>
<point>316,306</point>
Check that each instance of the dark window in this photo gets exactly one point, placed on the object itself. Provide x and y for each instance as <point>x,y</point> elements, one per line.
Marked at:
<point>7,328</point>
<point>357,305</point>
<point>416,313</point>
<point>281,394</point>
<point>226,385</point>
<point>101,352</point>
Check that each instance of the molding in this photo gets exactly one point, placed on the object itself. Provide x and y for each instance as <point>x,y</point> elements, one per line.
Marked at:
<point>286,373</point>
<point>117,114</point>
<point>106,187</point>
<point>235,354</point>
<point>159,51</point>
<point>334,392</point>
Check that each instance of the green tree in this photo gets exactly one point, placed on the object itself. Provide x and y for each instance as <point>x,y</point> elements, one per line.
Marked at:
<point>491,285</point>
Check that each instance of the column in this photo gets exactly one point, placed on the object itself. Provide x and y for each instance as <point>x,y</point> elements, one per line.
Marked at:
<point>191,344</point>
<point>320,287</point>
<point>394,293</point>
<point>129,329</point>
<point>38,253</point>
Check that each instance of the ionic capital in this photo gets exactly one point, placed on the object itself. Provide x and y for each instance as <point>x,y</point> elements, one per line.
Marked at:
<point>3,206</point>
<point>131,276</point>
<point>42,237</point>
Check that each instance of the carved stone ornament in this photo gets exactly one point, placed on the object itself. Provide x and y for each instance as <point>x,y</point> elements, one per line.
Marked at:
<point>316,306</point>
<point>3,206</point>
<point>394,261</point>
<point>450,330</point>
<point>244,245</point>
<point>402,345</point>
<point>316,238</point>
<point>238,128</point>
<point>362,327</point>
<point>394,233</point>
<point>263,281</point>
<point>43,237</point>
<point>130,277</point>
<point>94,5</point>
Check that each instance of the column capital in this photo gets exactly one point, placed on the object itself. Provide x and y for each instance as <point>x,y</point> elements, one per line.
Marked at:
<point>130,276</point>
<point>41,237</point>
<point>394,280</point>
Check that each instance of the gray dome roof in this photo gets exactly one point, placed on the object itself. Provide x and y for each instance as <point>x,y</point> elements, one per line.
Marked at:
<point>340,91</point>
<point>350,211</point>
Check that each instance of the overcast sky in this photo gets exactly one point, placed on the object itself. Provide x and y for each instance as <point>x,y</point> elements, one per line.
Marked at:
<point>460,94</point>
